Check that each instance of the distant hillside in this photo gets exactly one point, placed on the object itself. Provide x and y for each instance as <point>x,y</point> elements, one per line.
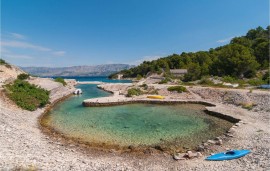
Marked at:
<point>98,70</point>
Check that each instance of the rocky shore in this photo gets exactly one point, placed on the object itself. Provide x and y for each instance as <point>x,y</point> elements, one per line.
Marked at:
<point>24,146</point>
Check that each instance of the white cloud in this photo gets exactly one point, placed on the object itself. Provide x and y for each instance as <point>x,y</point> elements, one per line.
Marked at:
<point>224,40</point>
<point>59,53</point>
<point>17,36</point>
<point>145,58</point>
<point>15,56</point>
<point>24,45</point>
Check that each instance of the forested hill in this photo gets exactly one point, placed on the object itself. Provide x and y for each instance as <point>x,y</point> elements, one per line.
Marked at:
<point>242,57</point>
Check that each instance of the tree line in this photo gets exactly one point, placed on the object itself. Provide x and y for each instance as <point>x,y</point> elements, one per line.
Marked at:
<point>241,58</point>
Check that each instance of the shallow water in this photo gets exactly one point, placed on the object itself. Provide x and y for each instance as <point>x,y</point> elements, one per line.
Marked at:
<point>150,125</point>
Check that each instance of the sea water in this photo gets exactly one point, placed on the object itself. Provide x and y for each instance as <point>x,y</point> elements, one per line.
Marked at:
<point>174,126</point>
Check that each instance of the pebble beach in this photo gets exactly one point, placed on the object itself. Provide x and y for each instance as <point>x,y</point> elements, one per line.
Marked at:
<point>24,146</point>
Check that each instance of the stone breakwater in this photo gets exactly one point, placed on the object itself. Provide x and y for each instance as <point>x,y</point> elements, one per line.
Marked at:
<point>122,101</point>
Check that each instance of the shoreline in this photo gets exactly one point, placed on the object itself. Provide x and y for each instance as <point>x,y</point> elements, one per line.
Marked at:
<point>96,147</point>
<point>23,144</point>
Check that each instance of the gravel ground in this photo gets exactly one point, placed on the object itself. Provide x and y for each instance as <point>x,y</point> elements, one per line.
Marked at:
<point>24,146</point>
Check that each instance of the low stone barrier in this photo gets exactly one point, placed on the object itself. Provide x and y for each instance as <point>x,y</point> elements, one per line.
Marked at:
<point>96,104</point>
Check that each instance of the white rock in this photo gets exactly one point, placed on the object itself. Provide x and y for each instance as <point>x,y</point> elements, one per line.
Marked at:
<point>199,154</point>
<point>178,156</point>
<point>219,142</point>
<point>237,124</point>
<point>232,130</point>
<point>211,141</point>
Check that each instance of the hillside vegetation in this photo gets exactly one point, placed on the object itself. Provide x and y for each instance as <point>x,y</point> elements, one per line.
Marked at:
<point>241,58</point>
<point>26,95</point>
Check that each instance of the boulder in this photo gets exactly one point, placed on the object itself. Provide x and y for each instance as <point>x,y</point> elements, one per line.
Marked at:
<point>198,154</point>
<point>178,156</point>
<point>231,130</point>
<point>238,124</point>
<point>200,148</point>
<point>219,142</point>
<point>190,154</point>
<point>211,141</point>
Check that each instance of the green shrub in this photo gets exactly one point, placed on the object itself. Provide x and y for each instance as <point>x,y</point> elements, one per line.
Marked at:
<point>134,92</point>
<point>164,81</point>
<point>266,77</point>
<point>179,89</point>
<point>247,106</point>
<point>3,62</point>
<point>139,77</point>
<point>206,81</point>
<point>23,76</point>
<point>229,79</point>
<point>27,96</point>
<point>60,80</point>
<point>256,82</point>
<point>145,86</point>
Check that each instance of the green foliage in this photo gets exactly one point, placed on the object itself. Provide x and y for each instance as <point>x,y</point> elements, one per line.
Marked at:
<point>165,80</point>
<point>206,81</point>
<point>113,76</point>
<point>266,77</point>
<point>256,82</point>
<point>23,76</point>
<point>241,58</point>
<point>235,60</point>
<point>247,106</point>
<point>27,96</point>
<point>60,80</point>
<point>194,72</point>
<point>134,92</point>
<point>229,79</point>
<point>179,89</point>
<point>145,86</point>
<point>139,77</point>
<point>3,62</point>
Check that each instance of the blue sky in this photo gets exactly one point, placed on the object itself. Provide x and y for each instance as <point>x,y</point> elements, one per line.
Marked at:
<point>58,33</point>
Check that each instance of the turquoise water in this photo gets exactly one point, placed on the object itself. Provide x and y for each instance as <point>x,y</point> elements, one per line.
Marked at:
<point>101,79</point>
<point>144,125</point>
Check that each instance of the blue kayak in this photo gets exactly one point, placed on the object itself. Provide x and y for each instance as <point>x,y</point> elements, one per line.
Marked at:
<point>228,155</point>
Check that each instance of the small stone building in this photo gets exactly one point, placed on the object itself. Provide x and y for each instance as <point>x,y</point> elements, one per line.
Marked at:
<point>178,72</point>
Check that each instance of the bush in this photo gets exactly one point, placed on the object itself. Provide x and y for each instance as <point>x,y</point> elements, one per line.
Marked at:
<point>206,81</point>
<point>27,96</point>
<point>145,86</point>
<point>247,106</point>
<point>3,62</point>
<point>266,77</point>
<point>60,80</point>
<point>134,92</point>
<point>229,79</point>
<point>166,80</point>
<point>23,76</point>
<point>139,77</point>
<point>256,82</point>
<point>179,89</point>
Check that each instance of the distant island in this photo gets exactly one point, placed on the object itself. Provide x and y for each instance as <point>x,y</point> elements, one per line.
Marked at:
<point>97,70</point>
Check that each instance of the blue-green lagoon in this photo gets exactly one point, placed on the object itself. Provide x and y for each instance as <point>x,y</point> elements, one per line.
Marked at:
<point>168,127</point>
